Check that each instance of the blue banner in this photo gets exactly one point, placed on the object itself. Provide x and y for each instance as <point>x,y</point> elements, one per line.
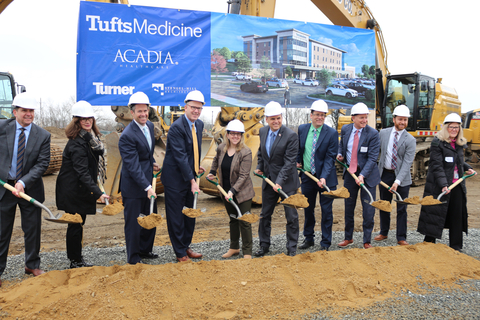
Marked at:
<point>124,49</point>
<point>234,60</point>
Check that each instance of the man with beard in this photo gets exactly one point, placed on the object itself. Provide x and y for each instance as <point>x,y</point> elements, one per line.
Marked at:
<point>396,158</point>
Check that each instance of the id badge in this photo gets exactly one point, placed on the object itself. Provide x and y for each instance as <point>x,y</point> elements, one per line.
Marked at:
<point>455,175</point>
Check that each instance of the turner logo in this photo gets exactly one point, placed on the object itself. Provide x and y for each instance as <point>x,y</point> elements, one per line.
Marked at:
<point>158,87</point>
<point>100,88</point>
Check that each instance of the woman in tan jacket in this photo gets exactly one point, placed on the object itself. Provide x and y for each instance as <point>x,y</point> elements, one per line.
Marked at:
<point>233,162</point>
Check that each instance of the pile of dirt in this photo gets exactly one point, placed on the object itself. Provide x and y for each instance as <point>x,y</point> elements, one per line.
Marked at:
<point>56,133</point>
<point>280,286</point>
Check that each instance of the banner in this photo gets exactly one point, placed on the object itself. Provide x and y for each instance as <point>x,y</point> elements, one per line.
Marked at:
<point>234,60</point>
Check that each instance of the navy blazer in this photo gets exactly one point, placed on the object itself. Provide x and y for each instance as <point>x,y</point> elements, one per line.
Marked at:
<point>325,152</point>
<point>36,158</point>
<point>367,153</point>
<point>137,161</point>
<point>178,164</point>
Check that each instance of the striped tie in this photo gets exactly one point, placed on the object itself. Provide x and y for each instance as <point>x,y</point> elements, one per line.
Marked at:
<point>20,153</point>
<point>312,156</point>
<point>394,151</point>
<point>195,150</point>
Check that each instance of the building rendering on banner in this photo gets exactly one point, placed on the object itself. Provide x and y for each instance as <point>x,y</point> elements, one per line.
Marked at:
<point>296,49</point>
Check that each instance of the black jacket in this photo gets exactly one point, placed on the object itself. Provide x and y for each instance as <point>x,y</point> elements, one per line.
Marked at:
<point>76,188</point>
<point>443,159</point>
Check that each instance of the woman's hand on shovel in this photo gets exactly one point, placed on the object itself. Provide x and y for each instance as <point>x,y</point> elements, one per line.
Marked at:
<point>103,197</point>
<point>229,195</point>
<point>471,171</point>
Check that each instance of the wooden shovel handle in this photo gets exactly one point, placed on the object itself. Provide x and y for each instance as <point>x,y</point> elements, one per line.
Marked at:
<point>23,195</point>
<point>455,184</point>
<point>270,182</point>
<point>385,185</point>
<point>225,194</point>
<point>154,184</point>
<point>311,176</point>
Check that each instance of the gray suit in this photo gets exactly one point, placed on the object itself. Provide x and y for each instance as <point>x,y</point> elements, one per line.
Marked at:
<point>405,154</point>
<point>35,163</point>
<point>281,168</point>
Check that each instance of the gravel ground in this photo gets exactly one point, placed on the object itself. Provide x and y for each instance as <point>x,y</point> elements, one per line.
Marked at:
<point>462,303</point>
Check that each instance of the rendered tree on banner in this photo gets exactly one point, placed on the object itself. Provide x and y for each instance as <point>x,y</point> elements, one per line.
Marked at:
<point>243,64</point>
<point>218,63</point>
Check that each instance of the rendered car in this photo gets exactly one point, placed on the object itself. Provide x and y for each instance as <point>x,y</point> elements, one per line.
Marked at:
<point>275,82</point>
<point>359,87</point>
<point>310,82</point>
<point>297,81</point>
<point>254,86</point>
<point>340,90</point>
<point>243,77</point>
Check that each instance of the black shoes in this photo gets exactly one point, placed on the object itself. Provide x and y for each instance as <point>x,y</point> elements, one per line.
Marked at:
<point>261,252</point>
<point>306,245</point>
<point>291,253</point>
<point>324,249</point>
<point>149,255</point>
<point>79,264</point>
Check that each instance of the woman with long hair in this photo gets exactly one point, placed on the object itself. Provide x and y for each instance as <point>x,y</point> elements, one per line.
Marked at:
<point>233,162</point>
<point>76,187</point>
<point>446,166</point>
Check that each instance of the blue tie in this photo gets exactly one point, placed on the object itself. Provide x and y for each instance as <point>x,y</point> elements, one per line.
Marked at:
<point>272,139</point>
<point>312,156</point>
<point>147,136</point>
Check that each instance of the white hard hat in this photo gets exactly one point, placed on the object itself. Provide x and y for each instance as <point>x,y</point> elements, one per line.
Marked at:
<point>402,111</point>
<point>273,109</point>
<point>320,106</point>
<point>25,100</point>
<point>138,98</point>
<point>236,126</point>
<point>359,108</point>
<point>452,117</point>
<point>195,95</point>
<point>82,109</point>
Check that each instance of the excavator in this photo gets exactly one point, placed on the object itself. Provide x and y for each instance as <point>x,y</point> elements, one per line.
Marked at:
<point>428,99</point>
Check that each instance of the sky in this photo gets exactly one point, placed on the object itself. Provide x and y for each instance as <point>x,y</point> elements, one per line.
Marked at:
<point>436,38</point>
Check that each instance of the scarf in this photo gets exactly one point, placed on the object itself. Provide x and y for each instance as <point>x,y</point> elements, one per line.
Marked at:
<point>97,147</point>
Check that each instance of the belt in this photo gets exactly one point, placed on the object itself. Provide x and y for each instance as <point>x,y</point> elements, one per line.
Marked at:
<point>388,170</point>
<point>12,182</point>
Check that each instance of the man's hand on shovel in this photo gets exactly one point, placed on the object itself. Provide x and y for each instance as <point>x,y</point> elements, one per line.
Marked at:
<point>151,193</point>
<point>18,188</point>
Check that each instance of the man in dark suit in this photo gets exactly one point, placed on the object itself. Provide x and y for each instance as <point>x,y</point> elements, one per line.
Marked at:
<point>182,165</point>
<point>318,149</point>
<point>136,146</point>
<point>359,146</point>
<point>22,163</point>
<point>396,157</point>
<point>277,156</point>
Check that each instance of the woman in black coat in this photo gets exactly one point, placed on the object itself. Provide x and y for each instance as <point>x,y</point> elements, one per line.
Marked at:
<point>76,188</point>
<point>446,166</point>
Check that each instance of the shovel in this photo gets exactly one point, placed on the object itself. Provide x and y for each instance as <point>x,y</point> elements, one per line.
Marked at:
<point>152,220</point>
<point>110,209</point>
<point>248,216</point>
<point>52,218</point>
<point>465,176</point>
<point>376,204</point>
<point>194,212</point>
<point>283,194</point>
<point>399,198</point>
<point>311,176</point>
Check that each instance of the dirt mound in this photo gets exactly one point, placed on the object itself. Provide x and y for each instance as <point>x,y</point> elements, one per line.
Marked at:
<point>286,287</point>
<point>56,133</point>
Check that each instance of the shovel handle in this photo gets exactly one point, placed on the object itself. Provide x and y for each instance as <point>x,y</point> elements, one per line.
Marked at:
<point>390,189</point>
<point>21,194</point>
<point>311,176</point>
<point>100,185</point>
<point>270,182</point>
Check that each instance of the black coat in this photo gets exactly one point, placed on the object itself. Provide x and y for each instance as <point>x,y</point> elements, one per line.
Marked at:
<point>443,159</point>
<point>76,188</point>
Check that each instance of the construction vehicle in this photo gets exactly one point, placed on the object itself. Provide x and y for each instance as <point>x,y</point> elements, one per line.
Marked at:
<point>8,90</point>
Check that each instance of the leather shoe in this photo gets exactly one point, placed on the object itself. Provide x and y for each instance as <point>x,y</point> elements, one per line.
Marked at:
<point>183,259</point>
<point>345,243</point>
<point>193,255</point>
<point>306,244</point>
<point>403,243</point>
<point>149,255</point>
<point>35,272</point>
<point>291,253</point>
<point>79,264</point>
<point>323,248</point>
<point>380,237</point>
<point>231,252</point>
<point>367,245</point>
<point>261,252</point>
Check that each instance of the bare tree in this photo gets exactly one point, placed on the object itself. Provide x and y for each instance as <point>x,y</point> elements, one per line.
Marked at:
<point>55,115</point>
<point>296,117</point>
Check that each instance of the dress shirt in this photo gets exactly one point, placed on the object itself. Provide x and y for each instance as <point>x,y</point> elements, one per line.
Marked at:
<point>13,169</point>
<point>388,157</point>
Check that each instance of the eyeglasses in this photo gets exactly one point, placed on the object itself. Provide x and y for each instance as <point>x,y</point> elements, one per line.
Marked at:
<point>454,128</point>
<point>195,108</point>
<point>319,115</point>
<point>235,134</point>
<point>86,119</point>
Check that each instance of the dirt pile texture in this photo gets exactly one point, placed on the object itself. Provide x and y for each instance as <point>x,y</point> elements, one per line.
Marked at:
<point>280,286</point>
